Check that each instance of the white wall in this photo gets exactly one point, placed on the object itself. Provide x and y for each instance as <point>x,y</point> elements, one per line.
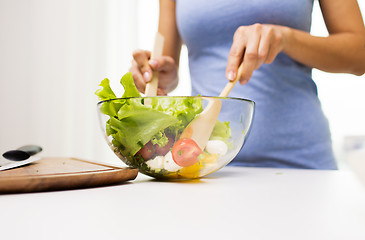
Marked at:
<point>54,53</point>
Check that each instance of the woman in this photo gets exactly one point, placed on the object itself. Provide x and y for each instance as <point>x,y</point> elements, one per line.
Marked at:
<point>271,39</point>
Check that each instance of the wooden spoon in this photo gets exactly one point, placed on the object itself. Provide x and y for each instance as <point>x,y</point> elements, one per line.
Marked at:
<point>151,86</point>
<point>202,126</point>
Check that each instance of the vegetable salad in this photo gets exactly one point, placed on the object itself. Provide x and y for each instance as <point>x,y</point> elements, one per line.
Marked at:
<point>147,135</point>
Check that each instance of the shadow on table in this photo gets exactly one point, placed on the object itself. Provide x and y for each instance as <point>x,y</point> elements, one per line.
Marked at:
<point>216,175</point>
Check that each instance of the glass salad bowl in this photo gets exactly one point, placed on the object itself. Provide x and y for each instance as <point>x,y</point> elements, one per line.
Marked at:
<point>145,133</point>
<point>173,137</point>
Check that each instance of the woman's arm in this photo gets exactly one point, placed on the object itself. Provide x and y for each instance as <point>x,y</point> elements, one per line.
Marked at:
<point>168,28</point>
<point>342,51</point>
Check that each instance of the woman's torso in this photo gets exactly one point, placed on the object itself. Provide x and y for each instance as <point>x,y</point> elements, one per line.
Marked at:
<point>289,128</point>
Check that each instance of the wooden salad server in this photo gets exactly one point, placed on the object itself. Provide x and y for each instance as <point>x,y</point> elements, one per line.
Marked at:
<point>151,86</point>
<point>200,128</point>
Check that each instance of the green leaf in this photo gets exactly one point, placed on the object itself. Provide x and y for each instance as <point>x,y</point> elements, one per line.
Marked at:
<point>130,89</point>
<point>105,93</point>
<point>136,125</point>
<point>221,131</point>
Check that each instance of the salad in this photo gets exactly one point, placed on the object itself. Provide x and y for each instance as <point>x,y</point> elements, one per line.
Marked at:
<point>147,135</point>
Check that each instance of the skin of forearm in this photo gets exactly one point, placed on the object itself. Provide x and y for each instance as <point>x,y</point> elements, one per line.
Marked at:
<point>168,28</point>
<point>337,53</point>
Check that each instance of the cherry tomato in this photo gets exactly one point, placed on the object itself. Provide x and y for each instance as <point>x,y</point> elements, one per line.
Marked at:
<point>162,151</point>
<point>185,152</point>
<point>147,151</point>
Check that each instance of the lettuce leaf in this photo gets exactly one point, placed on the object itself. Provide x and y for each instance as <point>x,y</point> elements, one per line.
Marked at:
<point>130,89</point>
<point>106,93</point>
<point>136,125</point>
<point>221,131</point>
<point>133,124</point>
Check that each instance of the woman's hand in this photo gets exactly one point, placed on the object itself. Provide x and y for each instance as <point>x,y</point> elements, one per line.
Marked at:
<point>252,46</point>
<point>143,66</point>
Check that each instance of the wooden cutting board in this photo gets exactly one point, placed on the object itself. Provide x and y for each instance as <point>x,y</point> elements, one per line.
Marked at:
<point>49,174</point>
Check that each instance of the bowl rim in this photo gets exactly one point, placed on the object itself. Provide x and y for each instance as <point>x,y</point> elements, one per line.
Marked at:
<point>143,97</point>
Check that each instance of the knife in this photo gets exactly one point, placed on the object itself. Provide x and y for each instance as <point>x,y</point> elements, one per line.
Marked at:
<point>19,157</point>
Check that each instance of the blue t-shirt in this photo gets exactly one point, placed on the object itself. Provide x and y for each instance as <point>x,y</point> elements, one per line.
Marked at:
<point>289,129</point>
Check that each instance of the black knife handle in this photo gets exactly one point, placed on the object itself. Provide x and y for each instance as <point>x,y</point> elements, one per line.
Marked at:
<point>30,149</point>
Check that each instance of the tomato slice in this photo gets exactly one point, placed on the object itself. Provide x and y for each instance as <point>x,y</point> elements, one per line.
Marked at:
<point>147,151</point>
<point>185,152</point>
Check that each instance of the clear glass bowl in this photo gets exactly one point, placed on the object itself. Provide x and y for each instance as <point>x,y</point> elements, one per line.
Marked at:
<point>144,133</point>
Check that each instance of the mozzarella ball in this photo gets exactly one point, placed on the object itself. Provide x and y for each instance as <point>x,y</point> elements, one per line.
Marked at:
<point>156,163</point>
<point>216,147</point>
<point>170,164</point>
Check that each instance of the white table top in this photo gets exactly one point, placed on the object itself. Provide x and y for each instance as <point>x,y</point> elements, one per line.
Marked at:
<point>233,203</point>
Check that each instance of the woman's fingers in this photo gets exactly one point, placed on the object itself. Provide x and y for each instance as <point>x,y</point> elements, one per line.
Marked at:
<point>141,58</point>
<point>252,46</point>
<point>271,44</point>
<point>236,53</point>
<point>167,69</point>
<point>265,47</point>
<point>163,63</point>
<point>143,66</point>
<point>251,57</point>
<point>139,81</point>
